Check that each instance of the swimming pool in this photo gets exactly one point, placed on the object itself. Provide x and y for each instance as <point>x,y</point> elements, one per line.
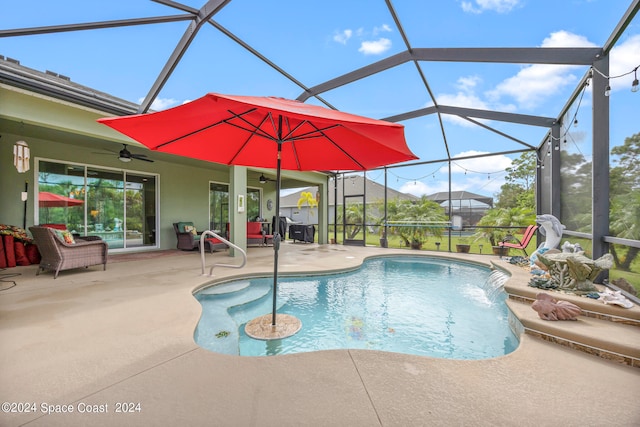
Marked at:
<point>415,305</point>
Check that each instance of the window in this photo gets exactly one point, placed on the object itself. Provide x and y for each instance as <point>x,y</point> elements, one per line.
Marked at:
<point>118,206</point>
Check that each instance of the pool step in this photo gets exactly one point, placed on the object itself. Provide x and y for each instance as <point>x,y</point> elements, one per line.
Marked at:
<point>610,332</point>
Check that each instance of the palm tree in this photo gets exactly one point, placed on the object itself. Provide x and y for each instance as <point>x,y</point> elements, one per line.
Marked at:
<point>502,217</point>
<point>415,221</point>
<point>307,198</point>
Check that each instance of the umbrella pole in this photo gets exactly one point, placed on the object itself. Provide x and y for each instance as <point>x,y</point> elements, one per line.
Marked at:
<point>276,234</point>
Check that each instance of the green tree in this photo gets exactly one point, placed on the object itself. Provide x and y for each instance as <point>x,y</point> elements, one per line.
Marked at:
<point>422,218</point>
<point>624,182</point>
<point>575,186</point>
<point>503,217</point>
<point>516,201</point>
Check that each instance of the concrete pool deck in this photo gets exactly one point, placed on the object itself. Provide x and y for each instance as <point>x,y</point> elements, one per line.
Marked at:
<point>122,340</point>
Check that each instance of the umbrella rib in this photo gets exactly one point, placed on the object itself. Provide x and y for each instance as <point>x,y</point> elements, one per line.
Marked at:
<point>253,129</point>
<point>322,132</point>
<point>317,133</point>
<point>251,134</point>
<point>204,128</point>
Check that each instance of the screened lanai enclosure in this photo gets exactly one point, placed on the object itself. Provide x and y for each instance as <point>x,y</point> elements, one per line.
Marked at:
<point>543,118</point>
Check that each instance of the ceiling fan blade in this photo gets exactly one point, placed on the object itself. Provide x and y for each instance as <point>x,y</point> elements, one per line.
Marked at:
<point>142,157</point>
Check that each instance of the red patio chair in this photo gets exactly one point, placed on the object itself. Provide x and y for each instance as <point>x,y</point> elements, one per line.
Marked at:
<point>522,244</point>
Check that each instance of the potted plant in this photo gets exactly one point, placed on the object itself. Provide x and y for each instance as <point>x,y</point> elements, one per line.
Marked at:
<point>416,242</point>
<point>463,246</point>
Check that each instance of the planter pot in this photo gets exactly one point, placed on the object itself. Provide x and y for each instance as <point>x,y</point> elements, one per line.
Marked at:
<point>416,245</point>
<point>384,243</point>
<point>500,250</point>
<point>463,248</point>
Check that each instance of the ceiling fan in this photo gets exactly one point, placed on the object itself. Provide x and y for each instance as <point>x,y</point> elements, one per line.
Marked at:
<point>263,179</point>
<point>126,156</point>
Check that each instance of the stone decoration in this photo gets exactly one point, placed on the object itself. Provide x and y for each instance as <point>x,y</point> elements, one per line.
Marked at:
<point>574,272</point>
<point>614,297</point>
<point>549,308</point>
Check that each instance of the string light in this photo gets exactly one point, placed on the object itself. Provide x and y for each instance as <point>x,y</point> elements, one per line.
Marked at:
<point>635,85</point>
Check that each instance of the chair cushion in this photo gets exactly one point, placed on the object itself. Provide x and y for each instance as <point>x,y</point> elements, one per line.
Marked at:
<point>9,251</point>
<point>20,253</point>
<point>3,258</point>
<point>32,253</point>
<point>254,228</point>
<point>17,232</point>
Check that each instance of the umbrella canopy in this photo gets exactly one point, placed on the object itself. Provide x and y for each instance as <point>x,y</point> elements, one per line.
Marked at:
<point>235,130</point>
<point>51,200</point>
<point>268,132</point>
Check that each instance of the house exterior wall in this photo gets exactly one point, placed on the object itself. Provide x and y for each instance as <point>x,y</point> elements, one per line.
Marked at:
<point>60,131</point>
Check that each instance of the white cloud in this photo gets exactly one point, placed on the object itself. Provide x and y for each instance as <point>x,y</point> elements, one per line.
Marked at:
<point>624,58</point>
<point>479,6</point>
<point>160,103</point>
<point>343,36</point>
<point>535,83</point>
<point>465,98</point>
<point>367,46</point>
<point>375,47</point>
<point>384,28</point>
<point>468,84</point>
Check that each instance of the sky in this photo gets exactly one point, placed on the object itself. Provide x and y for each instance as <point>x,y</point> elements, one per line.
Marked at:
<point>315,41</point>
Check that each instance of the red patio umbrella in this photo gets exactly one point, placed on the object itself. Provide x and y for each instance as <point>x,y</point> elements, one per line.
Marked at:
<point>268,132</point>
<point>51,200</point>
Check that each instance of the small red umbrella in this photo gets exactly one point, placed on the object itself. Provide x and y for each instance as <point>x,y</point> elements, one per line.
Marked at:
<point>268,132</point>
<point>51,200</point>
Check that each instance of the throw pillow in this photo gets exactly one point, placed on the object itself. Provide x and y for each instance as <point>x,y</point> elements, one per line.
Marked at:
<point>190,229</point>
<point>65,236</point>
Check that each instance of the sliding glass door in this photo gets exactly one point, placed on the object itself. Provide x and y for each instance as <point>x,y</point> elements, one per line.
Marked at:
<point>118,206</point>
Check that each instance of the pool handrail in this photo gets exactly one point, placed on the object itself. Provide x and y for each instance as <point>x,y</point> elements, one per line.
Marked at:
<point>225,241</point>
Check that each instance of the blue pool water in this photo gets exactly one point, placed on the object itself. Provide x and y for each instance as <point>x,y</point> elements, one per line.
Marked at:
<point>414,305</point>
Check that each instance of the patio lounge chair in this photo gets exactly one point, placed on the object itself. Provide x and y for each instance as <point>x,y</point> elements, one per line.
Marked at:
<point>57,255</point>
<point>522,244</point>
<point>257,236</point>
<point>188,240</point>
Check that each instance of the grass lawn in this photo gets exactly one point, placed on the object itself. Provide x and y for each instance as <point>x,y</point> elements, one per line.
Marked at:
<point>632,276</point>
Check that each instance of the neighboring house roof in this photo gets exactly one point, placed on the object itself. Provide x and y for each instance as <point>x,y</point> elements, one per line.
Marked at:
<point>354,185</point>
<point>61,87</point>
<point>459,196</point>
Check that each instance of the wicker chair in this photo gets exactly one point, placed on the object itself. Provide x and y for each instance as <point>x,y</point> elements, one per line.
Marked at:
<point>187,241</point>
<point>57,255</point>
